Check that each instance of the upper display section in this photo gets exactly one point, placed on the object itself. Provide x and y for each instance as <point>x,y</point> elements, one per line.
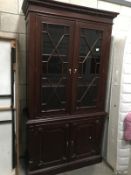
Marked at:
<point>28,6</point>
<point>68,62</point>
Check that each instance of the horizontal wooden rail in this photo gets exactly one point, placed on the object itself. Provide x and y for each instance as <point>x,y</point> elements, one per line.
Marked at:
<point>6,108</point>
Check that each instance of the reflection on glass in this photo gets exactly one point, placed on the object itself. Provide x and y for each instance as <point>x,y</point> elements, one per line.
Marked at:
<point>89,65</point>
<point>54,66</point>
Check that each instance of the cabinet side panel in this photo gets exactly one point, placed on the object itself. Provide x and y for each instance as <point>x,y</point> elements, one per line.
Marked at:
<point>31,70</point>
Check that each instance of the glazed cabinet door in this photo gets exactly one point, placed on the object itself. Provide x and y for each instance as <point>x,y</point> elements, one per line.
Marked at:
<point>55,50</point>
<point>90,67</point>
<point>86,138</point>
<point>68,69</point>
<point>47,145</point>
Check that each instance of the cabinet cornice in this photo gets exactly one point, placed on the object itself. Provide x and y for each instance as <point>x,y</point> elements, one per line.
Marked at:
<point>68,7</point>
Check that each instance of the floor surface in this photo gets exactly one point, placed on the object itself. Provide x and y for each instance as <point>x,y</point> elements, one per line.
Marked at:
<point>98,169</point>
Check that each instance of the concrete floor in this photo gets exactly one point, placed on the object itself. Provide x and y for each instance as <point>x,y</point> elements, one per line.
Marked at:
<point>97,169</point>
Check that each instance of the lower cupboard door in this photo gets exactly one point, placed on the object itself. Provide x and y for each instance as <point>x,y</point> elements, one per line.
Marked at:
<point>86,138</point>
<point>47,145</point>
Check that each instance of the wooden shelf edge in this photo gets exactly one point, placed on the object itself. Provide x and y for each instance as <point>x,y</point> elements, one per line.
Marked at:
<point>67,118</point>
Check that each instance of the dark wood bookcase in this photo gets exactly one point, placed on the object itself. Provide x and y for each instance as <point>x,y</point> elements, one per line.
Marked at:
<point>67,61</point>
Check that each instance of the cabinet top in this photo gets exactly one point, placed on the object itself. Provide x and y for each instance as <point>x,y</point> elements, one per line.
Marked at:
<point>66,7</point>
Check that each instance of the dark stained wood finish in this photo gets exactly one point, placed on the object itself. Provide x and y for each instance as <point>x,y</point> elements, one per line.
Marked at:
<point>106,31</point>
<point>60,144</point>
<point>57,7</point>
<point>59,22</point>
<point>67,118</point>
<point>67,166</point>
<point>69,138</point>
<point>48,151</point>
<point>86,137</point>
<point>35,62</point>
<point>31,72</point>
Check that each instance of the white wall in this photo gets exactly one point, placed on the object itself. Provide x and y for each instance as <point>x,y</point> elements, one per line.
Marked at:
<point>117,148</point>
<point>88,3</point>
<point>123,147</point>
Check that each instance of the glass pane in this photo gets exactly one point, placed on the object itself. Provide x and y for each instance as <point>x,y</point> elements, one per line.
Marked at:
<point>89,64</point>
<point>5,115</point>
<point>48,48</point>
<point>5,69</point>
<point>54,66</point>
<point>5,102</point>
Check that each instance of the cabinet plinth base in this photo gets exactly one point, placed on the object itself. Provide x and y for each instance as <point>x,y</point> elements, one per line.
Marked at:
<point>67,166</point>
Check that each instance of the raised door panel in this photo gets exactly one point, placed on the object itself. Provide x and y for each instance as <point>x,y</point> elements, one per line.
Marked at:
<point>47,145</point>
<point>90,67</point>
<point>86,138</point>
<point>55,50</point>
